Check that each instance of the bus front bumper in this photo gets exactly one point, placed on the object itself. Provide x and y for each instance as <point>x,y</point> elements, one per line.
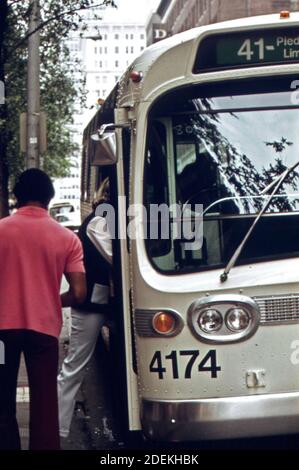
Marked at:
<point>220,418</point>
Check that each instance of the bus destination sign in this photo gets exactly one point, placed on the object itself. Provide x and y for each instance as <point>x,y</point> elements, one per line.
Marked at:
<point>247,49</point>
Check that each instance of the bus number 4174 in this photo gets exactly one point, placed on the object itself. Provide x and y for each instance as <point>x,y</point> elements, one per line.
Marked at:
<point>207,364</point>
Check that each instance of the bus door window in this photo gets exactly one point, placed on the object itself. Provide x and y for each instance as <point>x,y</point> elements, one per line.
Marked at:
<point>126,139</point>
<point>157,191</point>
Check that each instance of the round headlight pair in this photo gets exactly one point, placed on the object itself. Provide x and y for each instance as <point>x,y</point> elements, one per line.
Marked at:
<point>236,319</point>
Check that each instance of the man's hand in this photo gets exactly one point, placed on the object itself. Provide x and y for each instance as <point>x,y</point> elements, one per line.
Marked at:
<point>77,290</point>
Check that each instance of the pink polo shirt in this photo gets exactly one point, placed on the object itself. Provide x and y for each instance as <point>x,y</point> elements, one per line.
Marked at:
<point>35,251</point>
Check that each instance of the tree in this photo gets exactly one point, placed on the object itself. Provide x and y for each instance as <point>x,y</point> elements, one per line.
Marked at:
<point>60,89</point>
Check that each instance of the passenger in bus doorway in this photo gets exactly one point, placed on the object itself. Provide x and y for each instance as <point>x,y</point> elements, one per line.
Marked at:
<point>35,251</point>
<point>88,320</point>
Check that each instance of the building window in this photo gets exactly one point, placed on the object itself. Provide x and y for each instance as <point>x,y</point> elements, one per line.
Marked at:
<point>116,63</point>
<point>141,36</point>
<point>104,79</point>
<point>95,50</point>
<point>141,48</point>
<point>97,79</point>
<point>132,36</point>
<point>105,50</point>
<point>116,50</point>
<point>100,64</point>
<point>132,50</point>
<point>127,50</point>
<point>116,36</point>
<point>127,36</point>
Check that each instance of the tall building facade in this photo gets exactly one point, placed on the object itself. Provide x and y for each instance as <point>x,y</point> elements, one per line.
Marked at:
<point>104,50</point>
<point>175,16</point>
<point>105,56</point>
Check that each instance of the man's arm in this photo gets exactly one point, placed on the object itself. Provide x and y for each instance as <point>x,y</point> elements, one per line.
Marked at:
<point>77,290</point>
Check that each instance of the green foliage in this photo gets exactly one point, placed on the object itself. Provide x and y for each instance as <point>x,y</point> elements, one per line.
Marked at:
<point>61,82</point>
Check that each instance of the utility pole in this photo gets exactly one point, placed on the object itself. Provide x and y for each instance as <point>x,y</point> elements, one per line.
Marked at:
<point>33,88</point>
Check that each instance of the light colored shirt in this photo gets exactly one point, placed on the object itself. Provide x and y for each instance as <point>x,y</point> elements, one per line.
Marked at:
<point>35,251</point>
<point>98,232</point>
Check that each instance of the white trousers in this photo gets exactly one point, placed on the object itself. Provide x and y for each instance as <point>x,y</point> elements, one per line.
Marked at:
<point>85,330</point>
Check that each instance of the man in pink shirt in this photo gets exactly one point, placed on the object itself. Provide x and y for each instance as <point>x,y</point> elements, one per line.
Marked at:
<point>35,251</point>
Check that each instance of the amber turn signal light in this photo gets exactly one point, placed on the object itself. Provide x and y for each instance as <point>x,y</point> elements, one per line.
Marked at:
<point>284,14</point>
<point>164,323</point>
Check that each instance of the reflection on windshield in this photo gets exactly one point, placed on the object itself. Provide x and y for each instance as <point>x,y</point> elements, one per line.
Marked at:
<point>225,151</point>
<point>238,154</point>
<point>249,204</point>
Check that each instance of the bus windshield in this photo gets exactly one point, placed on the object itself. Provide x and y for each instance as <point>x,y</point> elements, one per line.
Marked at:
<point>222,146</point>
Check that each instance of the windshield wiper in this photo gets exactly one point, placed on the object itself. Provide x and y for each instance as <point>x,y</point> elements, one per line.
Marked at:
<point>278,177</point>
<point>237,252</point>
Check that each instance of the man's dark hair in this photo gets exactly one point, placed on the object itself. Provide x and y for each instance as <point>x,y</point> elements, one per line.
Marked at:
<point>34,185</point>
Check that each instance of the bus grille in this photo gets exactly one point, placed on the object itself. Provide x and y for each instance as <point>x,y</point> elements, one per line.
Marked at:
<point>278,308</point>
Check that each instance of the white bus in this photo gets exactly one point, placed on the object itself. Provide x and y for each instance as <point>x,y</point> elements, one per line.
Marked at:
<point>210,336</point>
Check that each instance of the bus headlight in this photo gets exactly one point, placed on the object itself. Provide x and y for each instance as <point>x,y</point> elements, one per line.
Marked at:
<point>237,319</point>
<point>210,320</point>
<point>224,318</point>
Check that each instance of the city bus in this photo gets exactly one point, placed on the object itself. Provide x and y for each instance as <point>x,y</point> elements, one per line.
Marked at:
<point>209,333</point>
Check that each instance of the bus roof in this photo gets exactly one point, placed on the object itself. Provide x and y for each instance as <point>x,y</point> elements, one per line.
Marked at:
<point>151,63</point>
<point>178,52</point>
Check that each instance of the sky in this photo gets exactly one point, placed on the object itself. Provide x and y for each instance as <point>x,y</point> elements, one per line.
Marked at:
<point>131,10</point>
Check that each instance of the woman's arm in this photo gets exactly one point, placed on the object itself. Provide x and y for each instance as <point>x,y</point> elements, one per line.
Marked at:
<point>98,232</point>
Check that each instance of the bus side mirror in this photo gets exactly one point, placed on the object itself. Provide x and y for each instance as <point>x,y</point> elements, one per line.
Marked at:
<point>104,152</point>
<point>104,141</point>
